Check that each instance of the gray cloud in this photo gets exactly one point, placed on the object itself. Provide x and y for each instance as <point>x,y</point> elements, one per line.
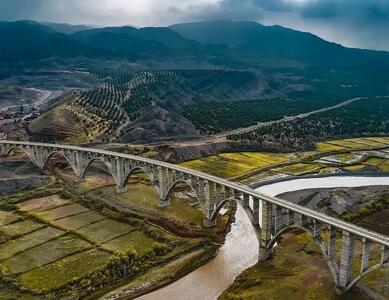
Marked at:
<point>357,23</point>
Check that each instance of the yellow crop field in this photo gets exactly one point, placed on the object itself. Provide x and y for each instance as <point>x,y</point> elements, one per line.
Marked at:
<point>235,164</point>
<point>324,147</point>
<point>300,168</point>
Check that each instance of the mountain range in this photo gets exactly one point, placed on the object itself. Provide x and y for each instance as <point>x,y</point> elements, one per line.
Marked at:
<point>227,43</point>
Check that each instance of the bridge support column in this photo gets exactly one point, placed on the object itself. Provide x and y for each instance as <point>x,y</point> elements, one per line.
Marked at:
<point>78,161</point>
<point>289,217</point>
<point>246,201</point>
<point>345,270</point>
<point>218,194</point>
<point>162,187</point>
<point>209,190</point>
<point>255,211</point>
<point>384,255</point>
<point>316,230</point>
<point>38,156</point>
<point>120,171</point>
<point>331,248</point>
<point>264,252</point>
<point>365,255</point>
<point>4,149</point>
<point>277,218</point>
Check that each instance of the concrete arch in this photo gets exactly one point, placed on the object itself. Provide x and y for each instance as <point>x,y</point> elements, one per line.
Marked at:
<point>286,229</point>
<point>16,147</point>
<point>187,182</point>
<point>220,206</point>
<point>332,266</point>
<point>97,158</point>
<point>137,168</point>
<point>61,153</point>
<point>360,276</point>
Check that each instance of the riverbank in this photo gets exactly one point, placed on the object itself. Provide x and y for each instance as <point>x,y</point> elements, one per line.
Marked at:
<point>297,269</point>
<point>92,246</point>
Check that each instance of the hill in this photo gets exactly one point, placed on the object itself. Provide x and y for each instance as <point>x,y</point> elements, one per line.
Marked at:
<point>27,40</point>
<point>256,43</point>
<point>239,45</point>
<point>65,27</point>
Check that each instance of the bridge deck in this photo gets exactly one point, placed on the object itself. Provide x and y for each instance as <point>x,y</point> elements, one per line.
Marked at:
<point>337,223</point>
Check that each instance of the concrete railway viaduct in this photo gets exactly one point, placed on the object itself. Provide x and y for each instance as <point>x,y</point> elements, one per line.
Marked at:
<point>270,216</point>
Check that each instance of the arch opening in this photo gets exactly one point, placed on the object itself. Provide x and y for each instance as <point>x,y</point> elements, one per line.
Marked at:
<point>137,174</point>
<point>96,174</point>
<point>184,203</point>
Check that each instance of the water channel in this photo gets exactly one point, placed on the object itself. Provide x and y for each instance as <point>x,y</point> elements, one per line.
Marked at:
<point>241,246</point>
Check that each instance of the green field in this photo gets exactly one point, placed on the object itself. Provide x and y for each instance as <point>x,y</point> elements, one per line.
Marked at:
<point>105,230</point>
<point>144,197</point>
<point>78,221</point>
<point>137,241</point>
<point>28,241</point>
<point>21,228</point>
<point>65,270</point>
<point>44,254</point>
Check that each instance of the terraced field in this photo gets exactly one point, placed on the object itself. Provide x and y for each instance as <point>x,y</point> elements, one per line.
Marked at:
<point>54,247</point>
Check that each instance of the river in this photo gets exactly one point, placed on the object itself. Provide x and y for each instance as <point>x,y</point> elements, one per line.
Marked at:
<point>240,249</point>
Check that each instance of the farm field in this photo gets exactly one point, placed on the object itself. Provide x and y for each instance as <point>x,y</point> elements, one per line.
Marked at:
<point>51,244</point>
<point>144,197</point>
<point>251,166</point>
<point>234,164</point>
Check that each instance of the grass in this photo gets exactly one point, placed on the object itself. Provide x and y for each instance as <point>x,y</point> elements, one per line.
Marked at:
<point>105,230</point>
<point>78,221</point>
<point>355,168</point>
<point>235,164</point>
<point>383,140</point>
<point>7,217</point>
<point>348,144</point>
<point>343,157</point>
<point>136,240</point>
<point>45,253</point>
<point>43,203</point>
<point>144,197</point>
<point>296,271</point>
<point>368,142</point>
<point>328,170</point>
<point>325,147</point>
<point>62,212</point>
<point>300,169</point>
<point>21,228</point>
<point>28,241</point>
<point>65,270</point>
<point>380,163</point>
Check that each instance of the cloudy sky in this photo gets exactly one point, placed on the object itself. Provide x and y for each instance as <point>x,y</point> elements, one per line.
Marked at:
<point>356,23</point>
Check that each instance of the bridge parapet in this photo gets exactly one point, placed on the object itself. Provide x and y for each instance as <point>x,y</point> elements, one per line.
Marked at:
<point>270,216</point>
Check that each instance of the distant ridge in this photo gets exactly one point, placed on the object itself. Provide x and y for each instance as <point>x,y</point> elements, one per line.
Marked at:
<point>66,28</point>
<point>241,44</point>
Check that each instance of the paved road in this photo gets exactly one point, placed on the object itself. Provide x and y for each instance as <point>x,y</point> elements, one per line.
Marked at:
<point>222,137</point>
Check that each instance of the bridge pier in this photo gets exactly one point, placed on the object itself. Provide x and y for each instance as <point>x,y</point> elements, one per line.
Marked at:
<point>212,192</point>
<point>345,270</point>
<point>209,223</point>
<point>264,253</point>
<point>121,189</point>
<point>163,187</point>
<point>266,227</point>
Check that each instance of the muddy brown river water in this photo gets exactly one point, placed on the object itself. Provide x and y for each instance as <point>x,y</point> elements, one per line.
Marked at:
<point>241,246</point>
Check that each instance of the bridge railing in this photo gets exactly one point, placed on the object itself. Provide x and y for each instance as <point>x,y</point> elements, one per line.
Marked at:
<point>271,215</point>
